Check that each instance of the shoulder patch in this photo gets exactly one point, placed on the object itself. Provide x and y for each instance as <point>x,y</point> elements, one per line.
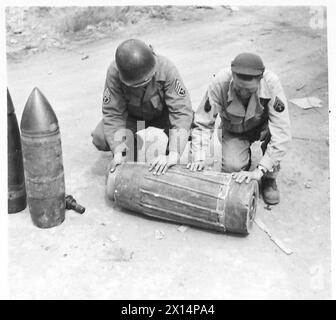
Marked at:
<point>278,106</point>
<point>207,105</point>
<point>107,96</point>
<point>179,88</point>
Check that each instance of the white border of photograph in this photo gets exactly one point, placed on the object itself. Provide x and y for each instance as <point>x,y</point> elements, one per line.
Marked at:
<point>331,24</point>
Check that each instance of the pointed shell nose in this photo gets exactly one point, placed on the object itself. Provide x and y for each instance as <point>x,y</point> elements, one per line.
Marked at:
<point>38,116</point>
<point>10,106</point>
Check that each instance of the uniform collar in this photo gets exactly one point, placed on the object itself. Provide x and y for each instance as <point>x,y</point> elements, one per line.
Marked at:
<point>235,106</point>
<point>230,92</point>
<point>254,107</point>
<point>149,90</point>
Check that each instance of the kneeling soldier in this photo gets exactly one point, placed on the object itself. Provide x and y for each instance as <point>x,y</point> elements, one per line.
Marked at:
<point>143,86</point>
<point>253,107</point>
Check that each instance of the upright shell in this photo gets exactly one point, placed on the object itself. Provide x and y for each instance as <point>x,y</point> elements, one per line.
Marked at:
<point>17,199</point>
<point>43,164</point>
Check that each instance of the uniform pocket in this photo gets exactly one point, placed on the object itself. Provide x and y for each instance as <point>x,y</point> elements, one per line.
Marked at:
<point>156,103</point>
<point>234,120</point>
<point>232,124</point>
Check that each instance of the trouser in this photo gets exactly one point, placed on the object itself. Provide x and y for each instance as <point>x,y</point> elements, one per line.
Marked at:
<point>135,144</point>
<point>236,149</point>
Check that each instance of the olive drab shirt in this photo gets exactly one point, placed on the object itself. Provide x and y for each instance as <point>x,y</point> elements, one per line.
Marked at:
<point>268,104</point>
<point>165,91</point>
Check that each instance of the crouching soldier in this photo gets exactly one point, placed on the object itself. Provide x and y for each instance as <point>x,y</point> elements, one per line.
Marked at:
<point>253,107</point>
<point>143,86</point>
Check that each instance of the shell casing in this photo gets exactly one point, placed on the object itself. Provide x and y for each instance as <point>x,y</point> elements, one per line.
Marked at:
<point>211,200</point>
<point>17,199</point>
<point>43,163</point>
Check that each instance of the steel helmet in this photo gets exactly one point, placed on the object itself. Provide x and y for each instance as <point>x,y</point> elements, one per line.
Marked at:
<point>135,61</point>
<point>248,64</point>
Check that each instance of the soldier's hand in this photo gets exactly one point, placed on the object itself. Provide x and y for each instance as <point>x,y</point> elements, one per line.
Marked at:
<point>247,176</point>
<point>161,163</point>
<point>117,160</point>
<point>196,165</point>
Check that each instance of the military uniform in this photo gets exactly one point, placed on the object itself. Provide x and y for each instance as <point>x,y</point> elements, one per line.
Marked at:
<point>163,103</point>
<point>265,118</point>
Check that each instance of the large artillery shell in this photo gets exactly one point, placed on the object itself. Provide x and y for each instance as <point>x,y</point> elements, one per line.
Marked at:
<point>17,200</point>
<point>43,164</point>
<point>211,200</point>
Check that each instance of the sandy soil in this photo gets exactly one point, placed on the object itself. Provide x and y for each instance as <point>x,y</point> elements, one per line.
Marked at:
<point>81,259</point>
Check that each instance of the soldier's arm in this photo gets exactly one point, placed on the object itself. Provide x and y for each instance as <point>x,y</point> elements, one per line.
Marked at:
<point>279,125</point>
<point>180,111</point>
<point>114,112</point>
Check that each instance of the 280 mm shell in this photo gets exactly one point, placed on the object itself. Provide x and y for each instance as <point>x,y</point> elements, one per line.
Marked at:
<point>43,163</point>
<point>210,200</point>
<point>17,200</point>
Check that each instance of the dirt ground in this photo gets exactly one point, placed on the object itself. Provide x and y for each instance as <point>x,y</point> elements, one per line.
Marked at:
<point>109,253</point>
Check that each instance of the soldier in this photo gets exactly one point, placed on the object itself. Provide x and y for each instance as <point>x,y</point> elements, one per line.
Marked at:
<point>143,86</point>
<point>253,107</point>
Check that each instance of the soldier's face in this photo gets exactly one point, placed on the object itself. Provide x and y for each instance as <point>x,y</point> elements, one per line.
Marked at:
<point>245,88</point>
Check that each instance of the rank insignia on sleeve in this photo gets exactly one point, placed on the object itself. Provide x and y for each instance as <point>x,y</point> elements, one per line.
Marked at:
<point>278,106</point>
<point>107,96</point>
<point>179,88</point>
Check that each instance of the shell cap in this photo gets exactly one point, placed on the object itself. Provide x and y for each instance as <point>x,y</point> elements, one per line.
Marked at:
<point>248,64</point>
<point>38,117</point>
<point>10,106</point>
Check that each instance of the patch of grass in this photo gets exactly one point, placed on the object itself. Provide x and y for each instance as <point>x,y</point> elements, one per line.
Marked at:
<point>40,28</point>
<point>83,17</point>
<point>78,18</point>
<point>161,13</point>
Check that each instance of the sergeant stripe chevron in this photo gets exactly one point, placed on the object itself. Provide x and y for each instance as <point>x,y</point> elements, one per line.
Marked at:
<point>179,88</point>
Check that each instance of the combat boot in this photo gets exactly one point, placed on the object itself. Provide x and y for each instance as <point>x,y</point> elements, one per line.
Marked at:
<point>270,191</point>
